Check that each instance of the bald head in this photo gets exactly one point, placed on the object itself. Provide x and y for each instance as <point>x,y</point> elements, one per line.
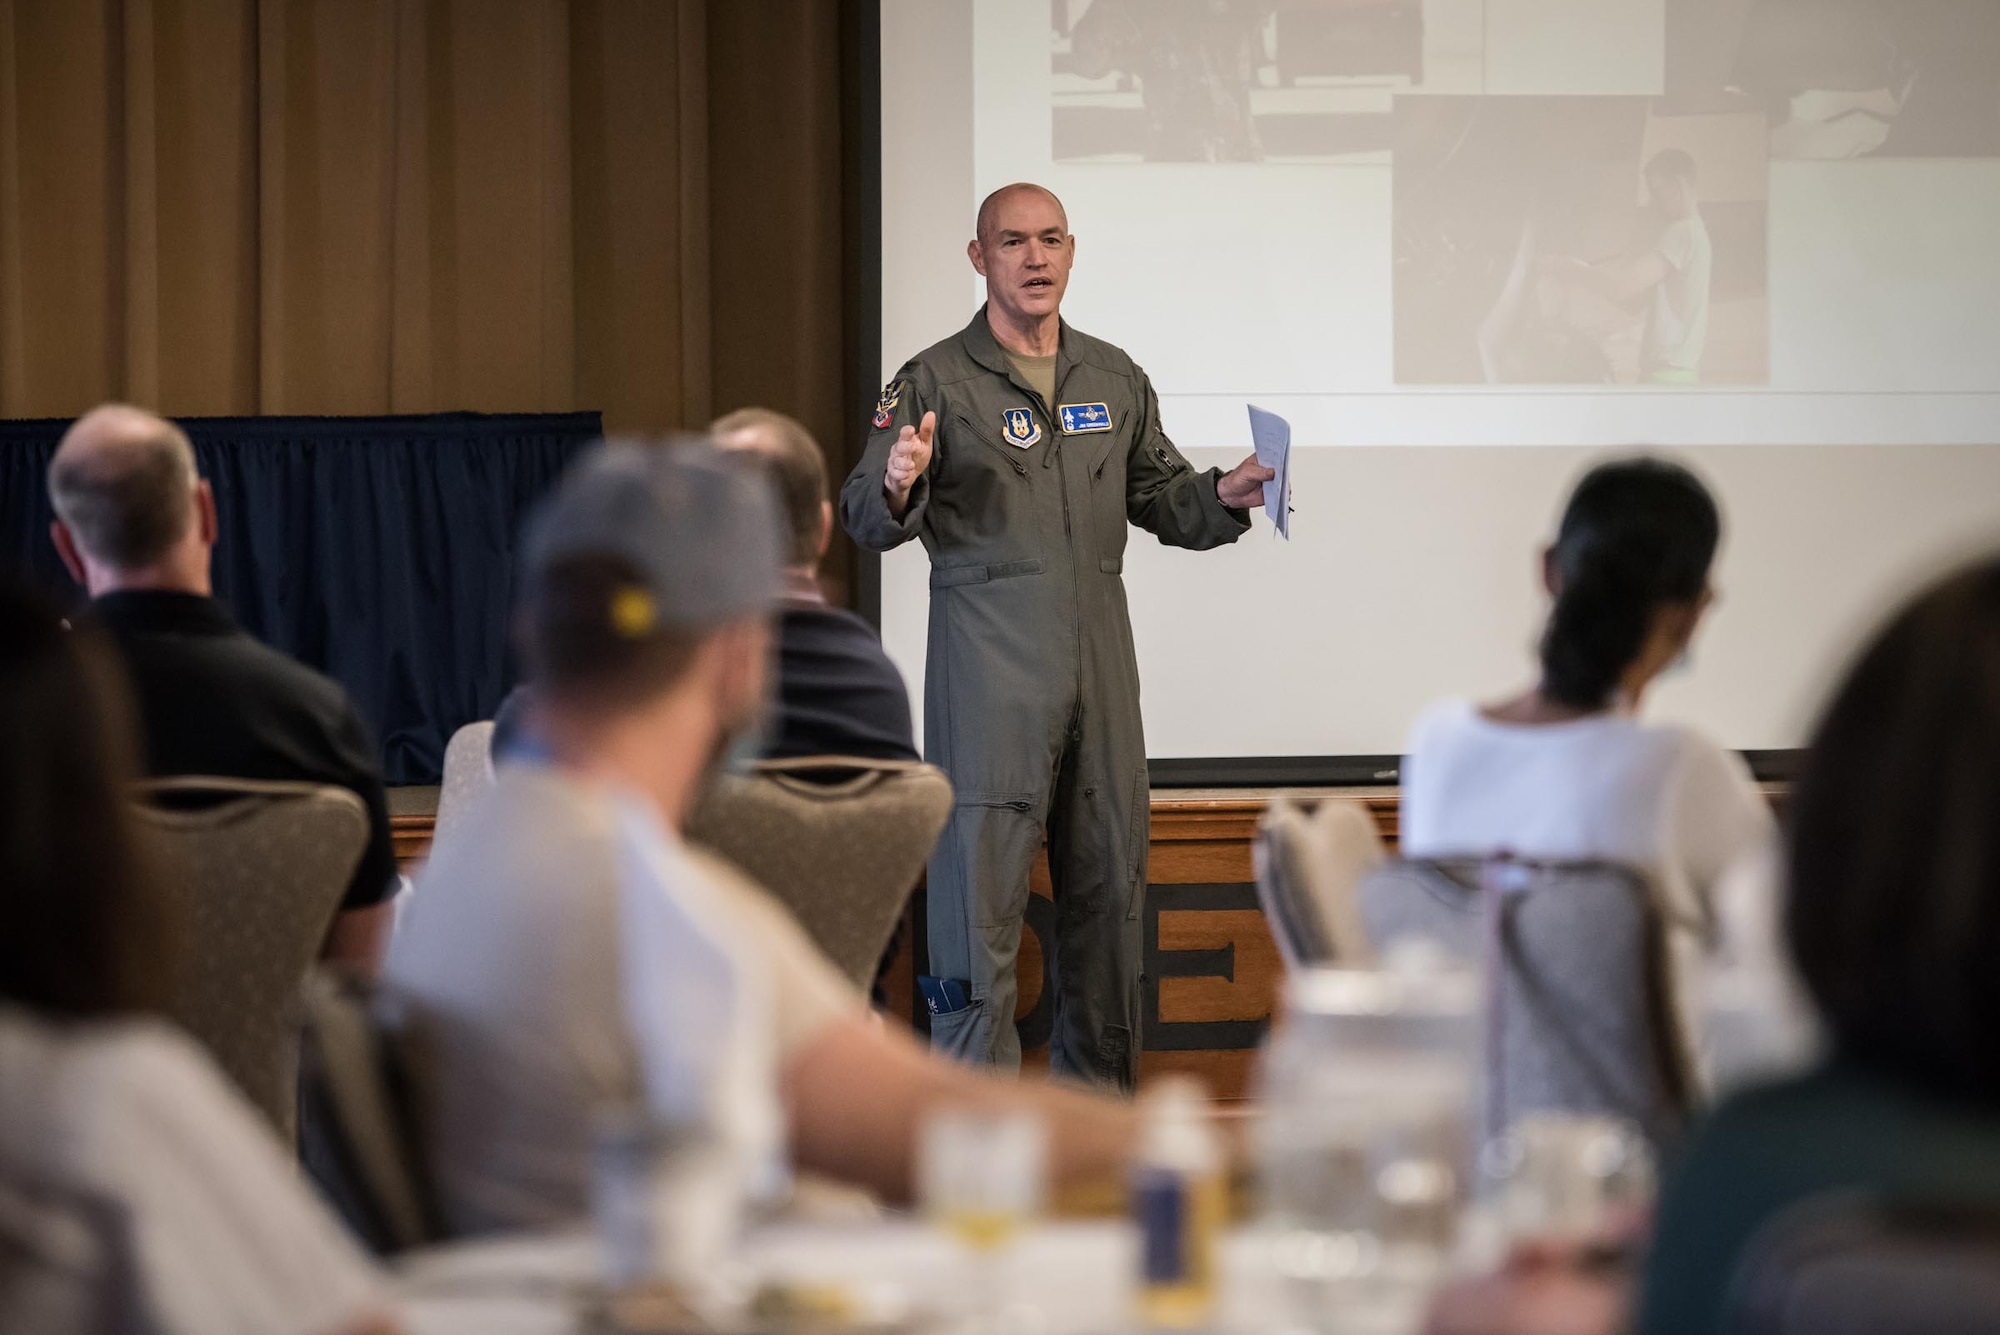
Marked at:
<point>797,468</point>
<point>991,207</point>
<point>124,485</point>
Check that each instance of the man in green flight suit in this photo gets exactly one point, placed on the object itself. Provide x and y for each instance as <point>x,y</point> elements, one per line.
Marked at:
<point>1018,450</point>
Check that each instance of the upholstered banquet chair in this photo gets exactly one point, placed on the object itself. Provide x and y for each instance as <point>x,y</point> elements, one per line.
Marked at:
<point>65,1264</point>
<point>468,771</point>
<point>1579,982</point>
<point>261,868</point>
<point>358,1132</point>
<point>1309,865</point>
<point>1850,1264</point>
<point>840,841</point>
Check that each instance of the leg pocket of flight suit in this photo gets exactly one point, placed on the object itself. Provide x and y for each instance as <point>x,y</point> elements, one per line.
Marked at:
<point>994,838</point>
<point>1137,844</point>
<point>1115,1061</point>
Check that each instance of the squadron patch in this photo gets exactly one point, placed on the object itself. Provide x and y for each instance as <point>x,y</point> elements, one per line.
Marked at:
<point>885,407</point>
<point>1082,418</point>
<point>1019,427</point>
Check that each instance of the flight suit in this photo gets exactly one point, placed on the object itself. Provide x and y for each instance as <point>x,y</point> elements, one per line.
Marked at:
<point>1031,693</point>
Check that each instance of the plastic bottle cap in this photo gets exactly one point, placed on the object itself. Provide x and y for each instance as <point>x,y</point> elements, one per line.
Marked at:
<point>1175,1132</point>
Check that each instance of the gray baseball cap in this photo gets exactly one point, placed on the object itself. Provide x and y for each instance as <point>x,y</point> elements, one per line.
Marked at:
<point>701,530</point>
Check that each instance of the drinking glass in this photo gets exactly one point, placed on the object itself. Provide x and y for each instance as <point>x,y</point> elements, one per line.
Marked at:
<point>982,1177</point>
<point>1569,1178</point>
<point>1364,1145</point>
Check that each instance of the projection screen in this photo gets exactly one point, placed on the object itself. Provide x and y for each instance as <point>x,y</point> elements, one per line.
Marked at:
<point>1371,216</point>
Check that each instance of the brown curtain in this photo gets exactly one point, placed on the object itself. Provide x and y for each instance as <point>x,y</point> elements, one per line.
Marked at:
<point>368,206</point>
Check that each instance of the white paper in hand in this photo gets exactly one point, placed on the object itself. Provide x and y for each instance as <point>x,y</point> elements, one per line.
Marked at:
<point>1271,437</point>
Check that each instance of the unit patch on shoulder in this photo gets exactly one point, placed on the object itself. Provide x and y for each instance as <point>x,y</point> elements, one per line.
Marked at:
<point>1082,418</point>
<point>885,407</point>
<point>1019,427</point>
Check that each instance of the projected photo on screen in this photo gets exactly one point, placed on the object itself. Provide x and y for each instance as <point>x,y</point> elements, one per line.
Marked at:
<point>1844,78</point>
<point>1578,241</point>
<point>1249,80</point>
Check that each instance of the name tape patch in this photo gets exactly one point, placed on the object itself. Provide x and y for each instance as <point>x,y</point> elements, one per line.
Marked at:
<point>1080,419</point>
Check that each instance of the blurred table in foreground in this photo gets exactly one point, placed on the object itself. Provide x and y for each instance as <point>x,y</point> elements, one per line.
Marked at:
<point>1060,1279</point>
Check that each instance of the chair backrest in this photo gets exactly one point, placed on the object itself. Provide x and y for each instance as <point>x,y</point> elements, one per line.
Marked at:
<point>468,771</point>
<point>1579,994</point>
<point>358,1134</point>
<point>261,868</point>
<point>65,1265</point>
<point>1846,1265</point>
<point>1309,867</point>
<point>839,841</point>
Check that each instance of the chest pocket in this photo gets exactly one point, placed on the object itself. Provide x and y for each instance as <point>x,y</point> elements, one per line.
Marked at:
<point>983,499</point>
<point>1106,456</point>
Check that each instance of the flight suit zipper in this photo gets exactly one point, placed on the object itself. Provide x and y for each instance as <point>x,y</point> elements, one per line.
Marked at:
<point>1055,441</point>
<point>1069,540</point>
<point>1062,479</point>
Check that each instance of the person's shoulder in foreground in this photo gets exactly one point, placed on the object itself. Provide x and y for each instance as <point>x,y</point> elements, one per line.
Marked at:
<point>1840,1128</point>
<point>224,1234</point>
<point>838,692</point>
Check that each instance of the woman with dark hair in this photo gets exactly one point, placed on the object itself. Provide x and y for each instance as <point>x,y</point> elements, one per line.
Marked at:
<point>1893,922</point>
<point>1567,770</point>
<point>107,1115</point>
<point>1892,918</point>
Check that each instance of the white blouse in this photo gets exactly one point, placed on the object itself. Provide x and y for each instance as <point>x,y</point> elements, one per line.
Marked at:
<point>1660,798</point>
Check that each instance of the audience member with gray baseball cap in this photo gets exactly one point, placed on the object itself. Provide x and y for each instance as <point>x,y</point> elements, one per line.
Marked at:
<point>701,537</point>
<point>566,952</point>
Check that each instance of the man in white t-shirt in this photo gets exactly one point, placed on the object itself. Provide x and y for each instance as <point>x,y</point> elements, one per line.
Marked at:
<point>567,954</point>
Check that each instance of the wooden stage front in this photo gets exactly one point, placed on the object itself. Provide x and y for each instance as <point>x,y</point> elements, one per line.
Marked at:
<point>1211,973</point>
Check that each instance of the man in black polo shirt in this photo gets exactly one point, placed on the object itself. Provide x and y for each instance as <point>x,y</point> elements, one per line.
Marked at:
<point>838,693</point>
<point>135,525</point>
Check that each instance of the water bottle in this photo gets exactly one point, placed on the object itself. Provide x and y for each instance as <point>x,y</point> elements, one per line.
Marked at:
<point>1179,1200</point>
<point>668,1199</point>
<point>1365,1147</point>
